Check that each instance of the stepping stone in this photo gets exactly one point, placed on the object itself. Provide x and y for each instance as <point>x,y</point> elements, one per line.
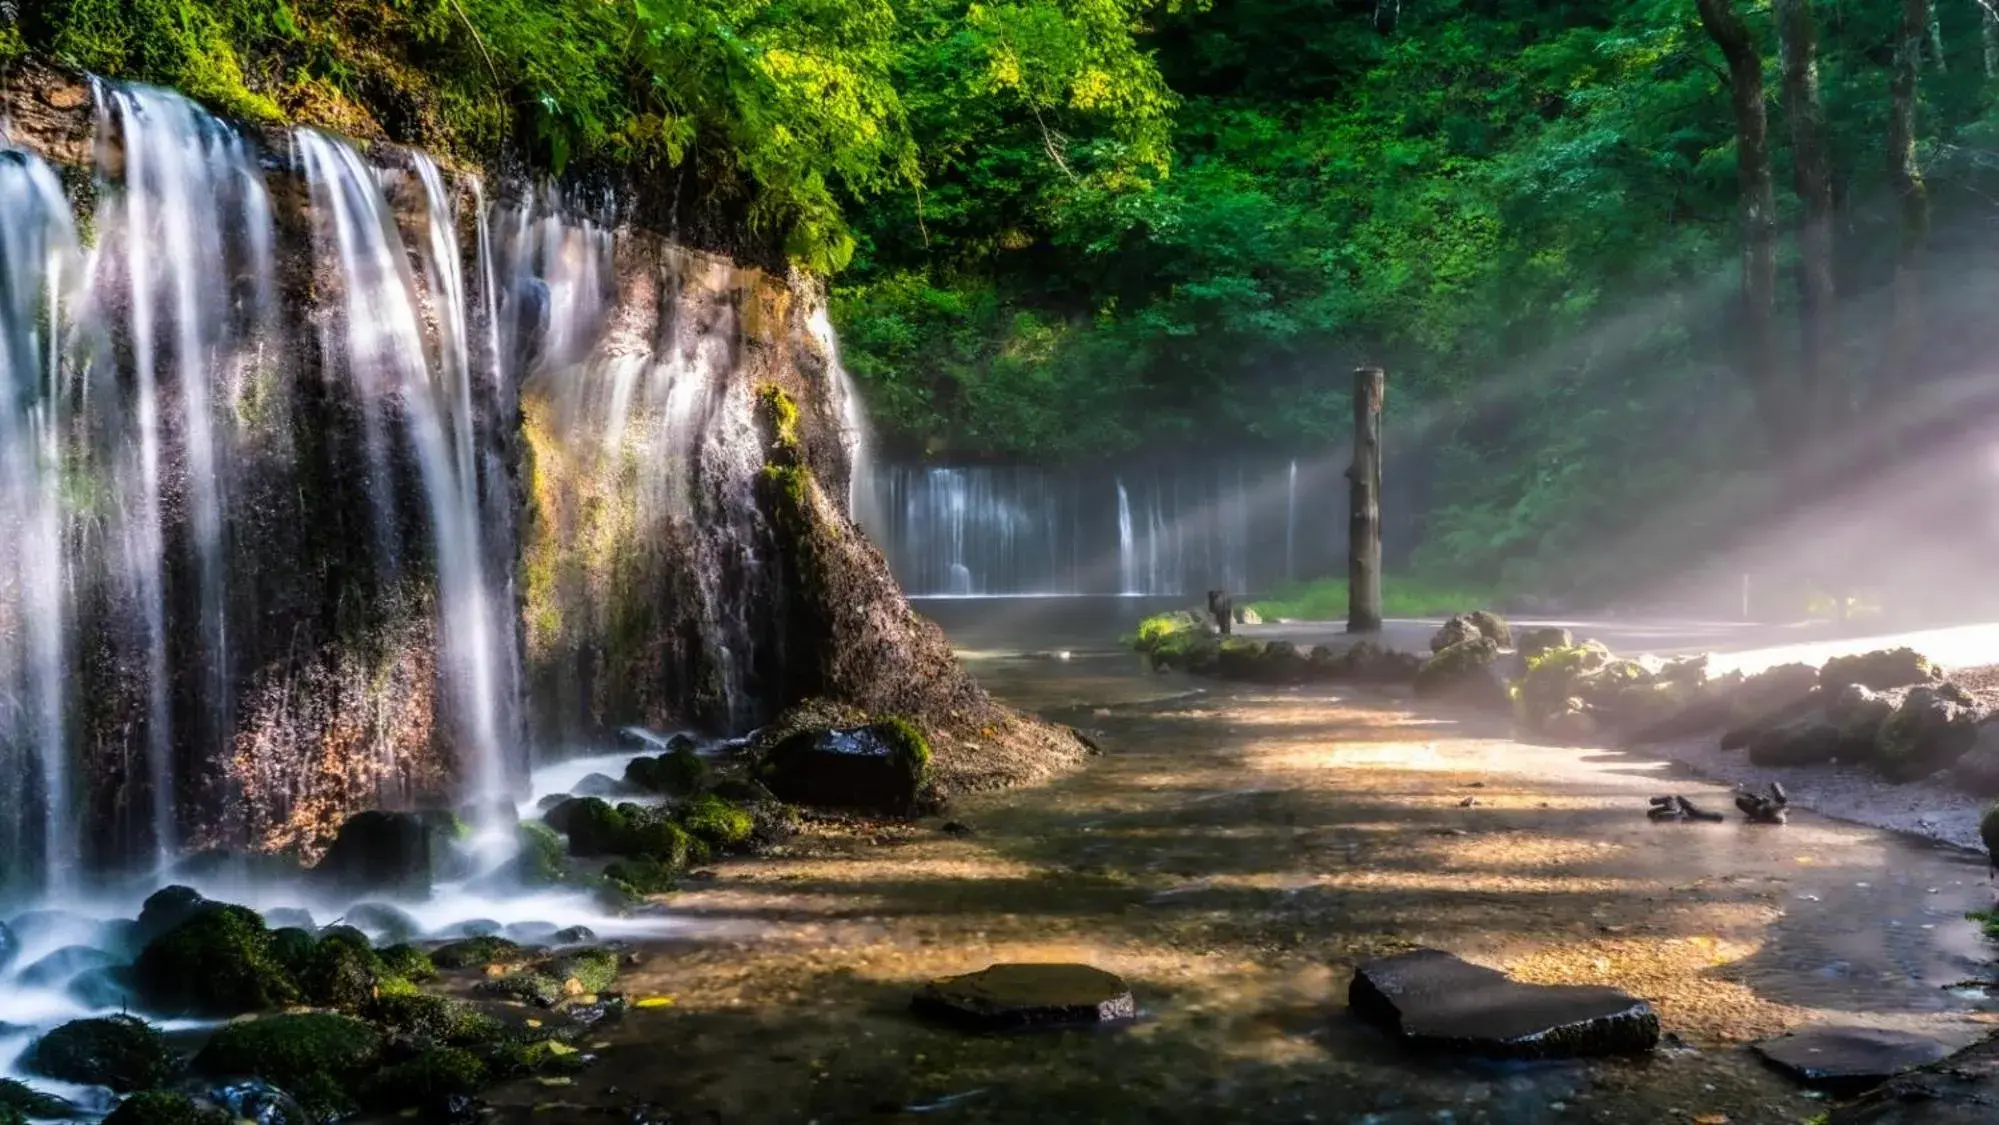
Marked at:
<point>1433,1000</point>
<point>1847,1060</point>
<point>1019,997</point>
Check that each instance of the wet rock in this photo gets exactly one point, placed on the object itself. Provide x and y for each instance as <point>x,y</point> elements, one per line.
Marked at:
<point>1284,664</point>
<point>573,935</point>
<point>1796,744</point>
<point>676,773</point>
<point>1960,1090</point>
<point>379,919</point>
<point>438,1084</point>
<point>109,986</point>
<point>1772,695</point>
<point>1433,1000</point>
<point>1880,670</point>
<point>1858,712</point>
<point>879,767</point>
<point>473,928</point>
<point>1455,631</point>
<point>600,785</point>
<point>1676,807</point>
<point>284,917</point>
<point>479,952</point>
<point>58,968</point>
<point>1928,732</point>
<point>386,852</point>
<point>1022,996</point>
<point>1535,641</point>
<point>531,932</point>
<point>1772,807</point>
<point>167,908</point>
<point>1464,673</point>
<point>593,826</point>
<point>1848,1060</point>
<point>121,1052</point>
<point>259,1102</point>
<point>1492,627</point>
<point>1978,770</point>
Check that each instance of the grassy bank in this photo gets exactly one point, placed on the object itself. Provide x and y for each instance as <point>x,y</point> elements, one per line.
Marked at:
<point>1325,599</point>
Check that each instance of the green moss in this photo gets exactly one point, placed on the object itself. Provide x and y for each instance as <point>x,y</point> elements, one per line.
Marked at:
<point>292,948</point>
<point>779,415</point>
<point>592,825</point>
<point>408,962</point>
<point>122,1052</point>
<point>912,747</point>
<point>721,825</point>
<point>1155,630</point>
<point>676,773</point>
<point>428,1082</point>
<point>13,48</point>
<point>529,986</point>
<point>595,970</point>
<point>477,953</point>
<point>1325,599</point>
<point>434,1020</point>
<point>316,1057</point>
<point>164,1107</point>
<point>542,859</point>
<point>341,974</point>
<point>658,839</point>
<point>219,962</point>
<point>533,1056</point>
<point>27,1101</point>
<point>641,877</point>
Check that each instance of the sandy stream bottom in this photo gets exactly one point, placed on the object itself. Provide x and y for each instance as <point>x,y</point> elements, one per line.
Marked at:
<point>1234,854</point>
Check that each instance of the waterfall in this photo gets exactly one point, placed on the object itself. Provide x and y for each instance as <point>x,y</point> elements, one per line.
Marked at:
<point>1127,553</point>
<point>39,259</point>
<point>853,426</point>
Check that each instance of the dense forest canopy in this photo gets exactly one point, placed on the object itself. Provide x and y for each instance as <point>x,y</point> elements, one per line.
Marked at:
<point>1076,228</point>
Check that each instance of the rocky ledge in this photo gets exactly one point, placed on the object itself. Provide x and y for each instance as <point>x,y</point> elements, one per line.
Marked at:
<point>1432,1000</point>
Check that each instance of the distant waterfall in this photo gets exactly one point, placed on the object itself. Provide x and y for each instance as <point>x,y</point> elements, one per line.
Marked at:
<point>1291,523</point>
<point>1126,552</point>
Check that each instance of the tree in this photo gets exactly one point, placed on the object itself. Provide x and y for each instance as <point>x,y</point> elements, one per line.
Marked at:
<point>1905,179</point>
<point>1757,210</point>
<point>1811,164</point>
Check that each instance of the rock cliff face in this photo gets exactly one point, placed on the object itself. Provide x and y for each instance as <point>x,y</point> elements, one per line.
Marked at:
<point>356,477</point>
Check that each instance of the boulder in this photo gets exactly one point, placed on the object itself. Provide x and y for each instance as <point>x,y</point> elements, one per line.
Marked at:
<point>1928,732</point>
<point>1456,630</point>
<point>1247,615</point>
<point>880,767</point>
<point>318,1057</point>
<point>1492,627</point>
<point>600,785</point>
<point>166,908</point>
<point>1025,996</point>
<point>1880,670</point>
<point>1858,711</point>
<point>1284,664</point>
<point>392,924</point>
<point>479,953</point>
<point>1803,743</point>
<point>1463,673</point>
<point>64,965</point>
<point>1845,1061</point>
<point>1239,658</point>
<point>122,1052</point>
<point>392,853</point>
<point>1433,1000</point>
<point>1771,695</point>
<point>592,825</point>
<point>1977,772</point>
<point>436,1084</point>
<point>1533,642</point>
<point>220,962</point>
<point>676,773</point>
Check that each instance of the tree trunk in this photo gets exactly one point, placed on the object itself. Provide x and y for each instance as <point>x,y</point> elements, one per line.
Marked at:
<point>1364,504</point>
<point>1797,39</point>
<point>1758,357</point>
<point>1911,196</point>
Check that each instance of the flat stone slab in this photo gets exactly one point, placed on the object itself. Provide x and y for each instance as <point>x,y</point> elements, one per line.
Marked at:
<point>1847,1060</point>
<point>1024,996</point>
<point>1961,1090</point>
<point>1433,1000</point>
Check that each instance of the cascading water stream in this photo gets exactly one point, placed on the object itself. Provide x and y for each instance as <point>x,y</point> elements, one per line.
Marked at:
<point>385,354</point>
<point>1291,524</point>
<point>1127,552</point>
<point>39,260</point>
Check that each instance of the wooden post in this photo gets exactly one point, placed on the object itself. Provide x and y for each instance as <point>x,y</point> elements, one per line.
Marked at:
<point>1364,505</point>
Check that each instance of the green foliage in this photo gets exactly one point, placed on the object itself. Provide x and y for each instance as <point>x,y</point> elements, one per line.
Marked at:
<point>1325,599</point>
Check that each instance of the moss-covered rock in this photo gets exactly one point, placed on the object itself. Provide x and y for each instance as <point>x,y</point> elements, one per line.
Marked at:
<point>165,1107</point>
<point>317,1057</point>
<point>1239,658</point>
<point>342,974</point>
<point>723,826</point>
<point>1880,670</point>
<point>219,962</point>
<point>1532,642</point>
<point>676,773</point>
<point>585,970</point>
<point>880,767</point>
<point>434,1020</point>
<point>1463,672</point>
<point>1801,743</point>
<point>659,838</point>
<point>593,826</point>
<point>527,986</point>
<point>1492,627</point>
<point>389,852</point>
<point>1157,628</point>
<point>1926,733</point>
<point>23,1099</point>
<point>540,857</point>
<point>122,1052</point>
<point>433,1082</point>
<point>408,962</point>
<point>166,908</point>
<point>392,923</point>
<point>292,949</point>
<point>640,877</point>
<point>479,953</point>
<point>1773,695</point>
